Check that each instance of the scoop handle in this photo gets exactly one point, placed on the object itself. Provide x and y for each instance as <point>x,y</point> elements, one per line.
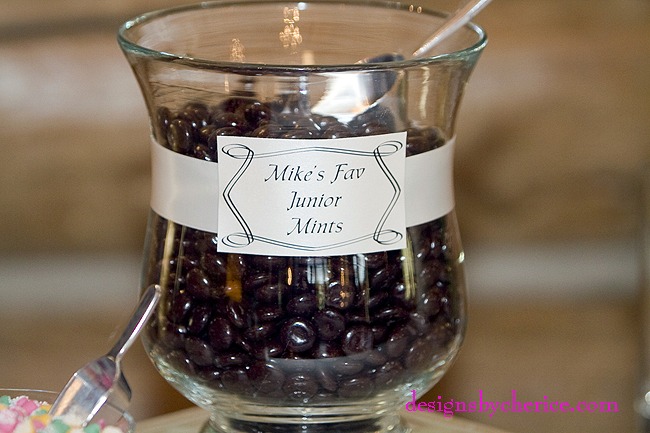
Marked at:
<point>458,19</point>
<point>140,316</point>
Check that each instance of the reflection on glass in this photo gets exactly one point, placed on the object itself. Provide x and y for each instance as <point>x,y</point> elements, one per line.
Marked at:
<point>290,36</point>
<point>237,51</point>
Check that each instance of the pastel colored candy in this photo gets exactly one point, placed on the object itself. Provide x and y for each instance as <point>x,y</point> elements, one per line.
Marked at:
<point>24,415</point>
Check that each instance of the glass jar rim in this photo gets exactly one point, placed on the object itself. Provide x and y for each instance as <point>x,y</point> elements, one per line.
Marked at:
<point>129,45</point>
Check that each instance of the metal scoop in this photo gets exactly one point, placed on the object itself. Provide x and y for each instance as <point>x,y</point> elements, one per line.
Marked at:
<point>92,385</point>
<point>349,95</point>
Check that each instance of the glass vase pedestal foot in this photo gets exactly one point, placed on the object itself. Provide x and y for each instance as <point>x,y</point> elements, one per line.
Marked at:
<point>310,260</point>
<point>375,424</point>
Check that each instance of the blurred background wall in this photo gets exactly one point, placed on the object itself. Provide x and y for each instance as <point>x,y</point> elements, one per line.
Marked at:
<point>553,143</point>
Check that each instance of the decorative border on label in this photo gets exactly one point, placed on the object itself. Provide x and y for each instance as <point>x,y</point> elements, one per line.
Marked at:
<point>383,237</point>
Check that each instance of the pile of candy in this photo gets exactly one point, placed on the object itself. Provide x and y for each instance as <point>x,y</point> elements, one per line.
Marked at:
<point>24,415</point>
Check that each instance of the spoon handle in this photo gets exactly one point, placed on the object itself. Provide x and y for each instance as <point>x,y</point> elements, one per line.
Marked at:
<point>457,20</point>
<point>140,316</point>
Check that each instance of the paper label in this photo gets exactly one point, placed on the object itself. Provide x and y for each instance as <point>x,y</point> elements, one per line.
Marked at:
<point>312,197</point>
<point>305,197</point>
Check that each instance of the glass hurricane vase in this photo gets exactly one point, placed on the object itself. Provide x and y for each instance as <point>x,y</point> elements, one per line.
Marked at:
<point>302,221</point>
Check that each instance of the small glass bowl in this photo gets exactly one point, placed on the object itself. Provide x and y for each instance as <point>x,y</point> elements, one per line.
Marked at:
<point>109,413</point>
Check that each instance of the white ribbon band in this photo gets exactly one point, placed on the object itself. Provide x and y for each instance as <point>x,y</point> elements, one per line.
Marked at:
<point>186,190</point>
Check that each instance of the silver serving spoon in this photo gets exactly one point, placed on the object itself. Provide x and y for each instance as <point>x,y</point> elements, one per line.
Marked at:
<point>349,95</point>
<point>92,385</point>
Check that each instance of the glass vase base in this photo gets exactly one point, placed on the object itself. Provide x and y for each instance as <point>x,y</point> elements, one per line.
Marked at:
<point>383,424</point>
